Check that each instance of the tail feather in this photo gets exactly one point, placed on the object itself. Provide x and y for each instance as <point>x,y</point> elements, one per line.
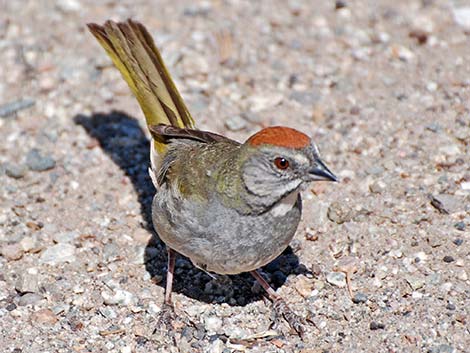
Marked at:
<point>133,52</point>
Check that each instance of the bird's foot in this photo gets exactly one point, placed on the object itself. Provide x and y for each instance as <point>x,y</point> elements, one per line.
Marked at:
<point>169,323</point>
<point>165,326</point>
<point>282,310</point>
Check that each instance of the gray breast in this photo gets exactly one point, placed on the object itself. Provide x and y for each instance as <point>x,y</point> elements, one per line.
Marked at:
<point>219,239</point>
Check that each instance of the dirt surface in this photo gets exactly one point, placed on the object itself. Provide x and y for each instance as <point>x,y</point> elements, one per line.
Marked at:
<point>383,88</point>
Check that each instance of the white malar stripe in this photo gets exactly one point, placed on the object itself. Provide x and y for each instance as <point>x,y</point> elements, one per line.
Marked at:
<point>285,205</point>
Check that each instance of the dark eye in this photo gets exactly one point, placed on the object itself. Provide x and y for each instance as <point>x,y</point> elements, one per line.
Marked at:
<point>281,163</point>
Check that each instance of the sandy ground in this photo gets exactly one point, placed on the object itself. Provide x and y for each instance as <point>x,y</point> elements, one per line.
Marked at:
<point>383,88</point>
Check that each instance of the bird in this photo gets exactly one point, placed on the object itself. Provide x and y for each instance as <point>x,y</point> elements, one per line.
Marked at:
<point>229,207</point>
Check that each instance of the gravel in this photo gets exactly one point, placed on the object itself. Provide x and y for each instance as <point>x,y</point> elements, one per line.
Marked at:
<point>381,86</point>
<point>37,161</point>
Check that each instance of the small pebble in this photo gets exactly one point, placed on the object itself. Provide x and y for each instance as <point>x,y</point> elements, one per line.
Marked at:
<point>458,241</point>
<point>377,187</point>
<point>448,259</point>
<point>39,162</point>
<point>27,282</point>
<point>58,253</point>
<point>304,286</point>
<point>15,171</point>
<point>10,306</point>
<point>376,326</point>
<point>450,306</point>
<point>462,16</point>
<point>442,348</point>
<point>29,299</point>
<point>120,296</point>
<point>340,213</point>
<point>212,324</point>
<point>235,123</point>
<point>337,279</point>
<point>359,298</point>
<point>44,317</point>
<point>460,226</point>
<point>12,252</point>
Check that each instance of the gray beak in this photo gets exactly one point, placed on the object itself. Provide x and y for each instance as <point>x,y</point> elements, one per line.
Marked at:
<point>321,172</point>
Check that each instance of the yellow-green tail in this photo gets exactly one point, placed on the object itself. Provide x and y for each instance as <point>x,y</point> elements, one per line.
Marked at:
<point>133,52</point>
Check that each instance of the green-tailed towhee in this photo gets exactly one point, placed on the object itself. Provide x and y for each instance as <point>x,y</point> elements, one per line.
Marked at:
<point>229,207</point>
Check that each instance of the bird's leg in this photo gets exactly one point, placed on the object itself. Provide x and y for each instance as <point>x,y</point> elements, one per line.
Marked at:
<point>169,276</point>
<point>280,306</point>
<point>167,314</point>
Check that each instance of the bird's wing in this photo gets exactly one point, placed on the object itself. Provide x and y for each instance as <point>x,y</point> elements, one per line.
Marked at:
<point>166,132</point>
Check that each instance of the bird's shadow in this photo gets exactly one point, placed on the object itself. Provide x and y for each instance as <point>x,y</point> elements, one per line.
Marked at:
<point>122,138</point>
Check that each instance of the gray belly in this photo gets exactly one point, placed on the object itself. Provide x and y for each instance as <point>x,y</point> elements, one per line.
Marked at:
<point>221,240</point>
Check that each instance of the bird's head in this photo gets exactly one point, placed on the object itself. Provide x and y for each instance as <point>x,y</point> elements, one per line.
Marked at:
<point>278,160</point>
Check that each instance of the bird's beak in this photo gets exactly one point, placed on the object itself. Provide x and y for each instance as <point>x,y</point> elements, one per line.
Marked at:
<point>321,172</point>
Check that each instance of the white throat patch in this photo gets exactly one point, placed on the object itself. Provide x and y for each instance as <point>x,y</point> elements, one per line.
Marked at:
<point>285,205</point>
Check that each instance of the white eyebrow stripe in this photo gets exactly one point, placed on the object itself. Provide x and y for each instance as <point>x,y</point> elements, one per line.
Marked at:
<point>301,159</point>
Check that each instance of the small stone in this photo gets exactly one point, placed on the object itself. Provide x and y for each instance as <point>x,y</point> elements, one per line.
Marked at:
<point>38,162</point>
<point>431,86</point>
<point>460,226</point>
<point>377,187</point>
<point>28,244</point>
<point>304,286</point>
<point>415,282</point>
<point>107,312</point>
<point>450,306</point>
<point>11,306</point>
<point>376,326</point>
<point>448,259</point>
<point>65,237</point>
<point>462,275</point>
<point>420,35</point>
<point>359,298</point>
<point>58,253</point>
<point>27,282</point>
<point>305,97</point>
<point>450,149</point>
<point>120,297</point>
<point>12,252</point>
<point>340,213</point>
<point>252,117</point>
<point>458,241</point>
<point>446,203</point>
<point>235,123</point>
<point>15,171</point>
<point>212,324</point>
<point>126,349</point>
<point>339,4</point>
<point>262,102</point>
<point>111,252</point>
<point>442,348</point>
<point>217,346</point>
<point>337,279</point>
<point>462,16</point>
<point>69,5</point>
<point>403,53</point>
<point>153,308</point>
<point>44,317</point>
<point>29,299</point>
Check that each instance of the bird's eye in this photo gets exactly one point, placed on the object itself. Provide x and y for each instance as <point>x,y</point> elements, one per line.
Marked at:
<point>281,163</point>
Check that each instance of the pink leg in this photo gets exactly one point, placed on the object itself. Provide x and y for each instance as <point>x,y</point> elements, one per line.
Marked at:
<point>169,275</point>
<point>280,306</point>
<point>272,294</point>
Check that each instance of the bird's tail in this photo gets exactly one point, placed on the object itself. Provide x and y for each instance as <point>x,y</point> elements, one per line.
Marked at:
<point>133,52</point>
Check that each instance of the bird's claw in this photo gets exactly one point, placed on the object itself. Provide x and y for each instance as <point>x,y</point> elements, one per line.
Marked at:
<point>165,325</point>
<point>296,322</point>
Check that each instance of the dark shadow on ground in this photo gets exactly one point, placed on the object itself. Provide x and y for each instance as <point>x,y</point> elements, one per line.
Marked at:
<point>121,137</point>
